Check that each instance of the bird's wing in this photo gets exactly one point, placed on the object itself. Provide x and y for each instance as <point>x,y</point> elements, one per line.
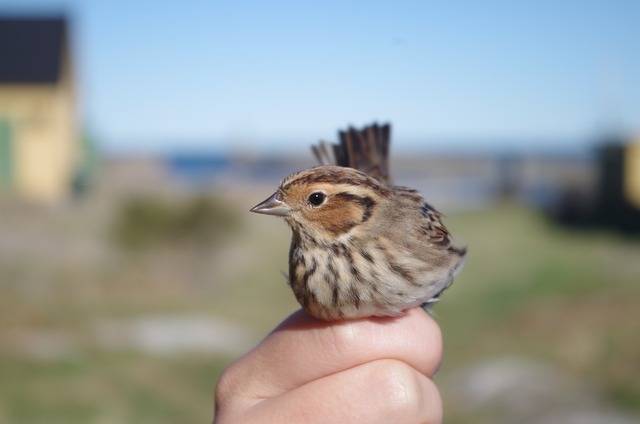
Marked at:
<point>428,221</point>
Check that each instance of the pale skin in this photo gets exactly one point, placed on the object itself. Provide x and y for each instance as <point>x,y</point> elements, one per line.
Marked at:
<point>373,370</point>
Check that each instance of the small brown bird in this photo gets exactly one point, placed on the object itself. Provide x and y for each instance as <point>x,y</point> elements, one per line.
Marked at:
<point>360,246</point>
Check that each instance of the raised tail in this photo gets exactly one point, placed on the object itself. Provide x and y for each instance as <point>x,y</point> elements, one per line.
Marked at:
<point>366,150</point>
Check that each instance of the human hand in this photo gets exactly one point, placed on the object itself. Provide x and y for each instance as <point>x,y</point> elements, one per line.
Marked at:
<point>373,370</point>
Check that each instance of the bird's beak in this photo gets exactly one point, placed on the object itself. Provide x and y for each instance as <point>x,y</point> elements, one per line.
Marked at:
<point>272,206</point>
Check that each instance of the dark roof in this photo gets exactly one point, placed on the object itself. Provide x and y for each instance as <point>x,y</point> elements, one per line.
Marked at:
<point>31,49</point>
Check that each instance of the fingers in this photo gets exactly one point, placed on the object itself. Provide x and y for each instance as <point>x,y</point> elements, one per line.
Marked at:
<point>303,349</point>
<point>382,391</point>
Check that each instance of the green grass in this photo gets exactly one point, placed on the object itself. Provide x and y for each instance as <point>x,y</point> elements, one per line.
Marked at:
<point>533,289</point>
<point>529,288</point>
<point>116,388</point>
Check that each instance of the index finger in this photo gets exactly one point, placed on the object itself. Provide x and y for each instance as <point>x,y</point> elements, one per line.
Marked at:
<point>304,349</point>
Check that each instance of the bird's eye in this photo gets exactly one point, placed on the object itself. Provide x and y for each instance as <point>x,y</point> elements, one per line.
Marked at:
<point>317,198</point>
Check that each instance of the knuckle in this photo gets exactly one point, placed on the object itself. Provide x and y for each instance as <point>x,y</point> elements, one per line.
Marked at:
<point>343,338</point>
<point>435,339</point>
<point>400,388</point>
<point>228,387</point>
<point>430,343</point>
<point>224,388</point>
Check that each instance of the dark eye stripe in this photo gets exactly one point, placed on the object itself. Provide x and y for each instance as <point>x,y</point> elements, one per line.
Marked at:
<point>366,202</point>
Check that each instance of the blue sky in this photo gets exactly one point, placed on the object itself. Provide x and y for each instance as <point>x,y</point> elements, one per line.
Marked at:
<point>242,75</point>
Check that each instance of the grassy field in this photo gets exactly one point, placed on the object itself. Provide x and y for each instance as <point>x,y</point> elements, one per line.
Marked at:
<point>530,289</point>
<point>558,296</point>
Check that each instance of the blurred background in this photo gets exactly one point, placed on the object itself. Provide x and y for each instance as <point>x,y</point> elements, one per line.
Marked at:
<point>135,136</point>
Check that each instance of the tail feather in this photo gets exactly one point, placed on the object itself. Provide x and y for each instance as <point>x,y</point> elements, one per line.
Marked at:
<point>366,150</point>
<point>324,153</point>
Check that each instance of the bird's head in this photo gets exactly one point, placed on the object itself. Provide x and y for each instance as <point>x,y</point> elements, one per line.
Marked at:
<point>325,202</point>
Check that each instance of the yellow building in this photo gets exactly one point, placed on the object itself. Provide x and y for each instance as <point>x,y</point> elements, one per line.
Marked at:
<point>39,142</point>
<point>632,173</point>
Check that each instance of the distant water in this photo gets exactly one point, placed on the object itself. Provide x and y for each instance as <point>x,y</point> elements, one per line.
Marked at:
<point>451,192</point>
<point>197,169</point>
<point>204,169</point>
<point>452,186</point>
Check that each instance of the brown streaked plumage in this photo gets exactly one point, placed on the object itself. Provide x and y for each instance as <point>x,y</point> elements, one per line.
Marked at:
<point>361,247</point>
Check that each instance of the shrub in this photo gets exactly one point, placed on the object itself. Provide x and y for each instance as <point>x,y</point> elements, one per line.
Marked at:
<point>146,222</point>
